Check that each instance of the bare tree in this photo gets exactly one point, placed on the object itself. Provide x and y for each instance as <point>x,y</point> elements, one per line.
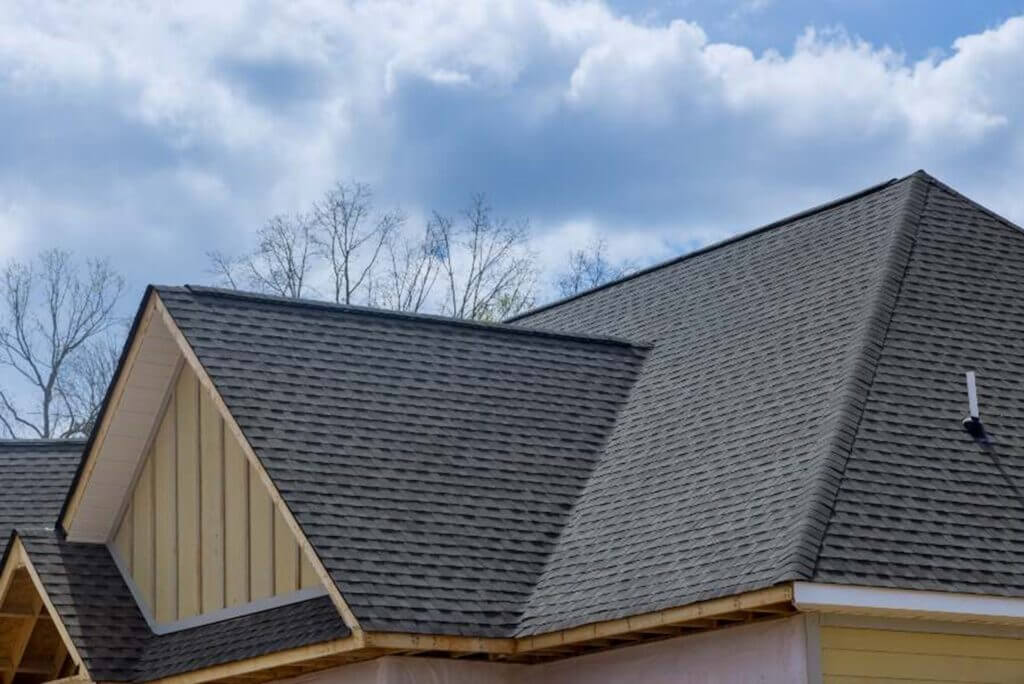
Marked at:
<point>350,237</point>
<point>53,321</point>
<point>411,269</point>
<point>588,268</point>
<point>488,266</point>
<point>280,264</point>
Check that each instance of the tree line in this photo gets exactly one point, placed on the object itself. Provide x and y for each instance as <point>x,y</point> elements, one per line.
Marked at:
<point>60,335</point>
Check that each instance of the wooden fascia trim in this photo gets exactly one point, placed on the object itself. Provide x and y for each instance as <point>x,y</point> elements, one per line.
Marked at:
<point>207,383</point>
<point>294,656</point>
<point>378,643</point>
<point>96,446</point>
<point>672,616</point>
<point>18,558</point>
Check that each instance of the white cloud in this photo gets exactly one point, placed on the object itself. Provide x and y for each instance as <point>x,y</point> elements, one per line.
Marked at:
<point>187,123</point>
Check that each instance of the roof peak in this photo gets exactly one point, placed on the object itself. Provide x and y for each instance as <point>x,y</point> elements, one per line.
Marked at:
<point>831,204</point>
<point>302,302</point>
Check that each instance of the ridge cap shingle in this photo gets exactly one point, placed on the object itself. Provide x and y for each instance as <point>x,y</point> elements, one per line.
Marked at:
<point>785,220</point>
<point>315,304</point>
<point>826,481</point>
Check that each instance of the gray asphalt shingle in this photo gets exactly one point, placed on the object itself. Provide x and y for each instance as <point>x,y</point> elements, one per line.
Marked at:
<point>431,463</point>
<point>782,406</point>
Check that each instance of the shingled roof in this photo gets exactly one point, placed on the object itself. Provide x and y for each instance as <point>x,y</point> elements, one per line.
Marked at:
<point>36,474</point>
<point>93,601</point>
<point>799,414</point>
<point>782,406</point>
<point>431,463</point>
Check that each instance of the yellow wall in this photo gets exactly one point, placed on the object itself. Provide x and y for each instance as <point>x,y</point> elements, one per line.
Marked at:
<point>861,656</point>
<point>201,532</point>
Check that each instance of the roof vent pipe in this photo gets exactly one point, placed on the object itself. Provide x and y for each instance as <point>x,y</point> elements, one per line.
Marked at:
<point>972,423</point>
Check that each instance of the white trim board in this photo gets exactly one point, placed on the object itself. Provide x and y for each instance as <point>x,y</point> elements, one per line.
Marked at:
<point>214,616</point>
<point>838,598</point>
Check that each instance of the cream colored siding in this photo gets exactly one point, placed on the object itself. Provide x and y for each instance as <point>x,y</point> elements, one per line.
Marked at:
<point>875,656</point>
<point>201,532</point>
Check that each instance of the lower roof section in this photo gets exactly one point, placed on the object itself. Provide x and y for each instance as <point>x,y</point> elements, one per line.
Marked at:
<point>104,622</point>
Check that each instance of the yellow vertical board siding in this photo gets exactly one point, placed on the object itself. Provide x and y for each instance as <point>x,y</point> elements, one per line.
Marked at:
<point>307,575</point>
<point>187,422</point>
<point>143,572</point>
<point>211,432</point>
<point>201,531</point>
<point>261,539</point>
<point>166,515</point>
<point>879,656</point>
<point>123,539</point>
<point>286,557</point>
<point>236,524</point>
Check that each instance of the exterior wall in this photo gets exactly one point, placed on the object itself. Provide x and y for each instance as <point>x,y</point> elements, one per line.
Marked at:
<point>200,533</point>
<point>768,653</point>
<point>880,652</point>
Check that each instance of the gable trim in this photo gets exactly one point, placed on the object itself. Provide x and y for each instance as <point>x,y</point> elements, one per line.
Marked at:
<point>140,326</point>
<point>229,421</point>
<point>257,606</point>
<point>17,557</point>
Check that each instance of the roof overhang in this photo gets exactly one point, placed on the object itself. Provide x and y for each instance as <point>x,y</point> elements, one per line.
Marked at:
<point>29,620</point>
<point>936,605</point>
<point>154,352</point>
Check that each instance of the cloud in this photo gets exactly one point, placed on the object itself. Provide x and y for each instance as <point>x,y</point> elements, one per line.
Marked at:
<point>157,131</point>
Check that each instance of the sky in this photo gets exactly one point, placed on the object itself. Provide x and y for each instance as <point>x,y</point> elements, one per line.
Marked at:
<point>152,133</point>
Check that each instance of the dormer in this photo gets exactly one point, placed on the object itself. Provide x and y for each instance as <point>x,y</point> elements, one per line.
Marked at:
<point>169,484</point>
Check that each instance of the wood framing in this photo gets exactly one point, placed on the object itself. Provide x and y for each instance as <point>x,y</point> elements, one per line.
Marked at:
<point>170,541</point>
<point>257,471</point>
<point>33,640</point>
<point>745,608</point>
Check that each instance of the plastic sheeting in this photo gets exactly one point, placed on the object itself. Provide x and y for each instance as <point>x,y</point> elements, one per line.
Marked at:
<point>765,653</point>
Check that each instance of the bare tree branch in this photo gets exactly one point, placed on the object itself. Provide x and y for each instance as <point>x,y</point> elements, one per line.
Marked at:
<point>411,270</point>
<point>489,268</point>
<point>283,258</point>
<point>588,268</point>
<point>343,228</point>
<point>50,315</point>
<point>224,268</point>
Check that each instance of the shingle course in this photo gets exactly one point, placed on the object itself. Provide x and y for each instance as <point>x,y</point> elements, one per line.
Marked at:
<point>431,463</point>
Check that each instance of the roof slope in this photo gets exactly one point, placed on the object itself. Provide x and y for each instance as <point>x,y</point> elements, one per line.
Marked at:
<point>36,474</point>
<point>103,620</point>
<point>922,506</point>
<point>93,601</point>
<point>431,463</point>
<point>720,473</point>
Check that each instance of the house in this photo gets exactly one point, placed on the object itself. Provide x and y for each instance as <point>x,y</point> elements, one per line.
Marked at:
<point>746,464</point>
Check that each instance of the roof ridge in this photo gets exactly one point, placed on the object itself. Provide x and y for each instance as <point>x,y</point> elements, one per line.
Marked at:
<point>500,327</point>
<point>828,477</point>
<point>721,243</point>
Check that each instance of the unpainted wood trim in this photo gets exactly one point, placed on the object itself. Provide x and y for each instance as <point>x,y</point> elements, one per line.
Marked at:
<point>115,402</point>
<point>401,641</point>
<point>379,643</point>
<point>18,557</point>
<point>241,668</point>
<point>229,421</point>
<point>638,623</point>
